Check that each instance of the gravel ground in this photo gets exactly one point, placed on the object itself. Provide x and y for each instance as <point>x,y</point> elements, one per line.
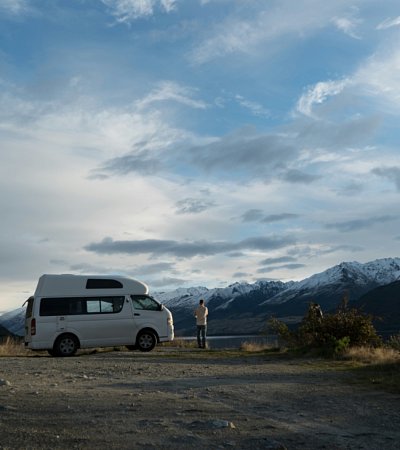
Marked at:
<point>183,399</point>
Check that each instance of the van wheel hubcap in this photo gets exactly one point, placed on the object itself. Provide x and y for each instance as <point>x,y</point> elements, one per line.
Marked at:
<point>146,340</point>
<point>67,346</point>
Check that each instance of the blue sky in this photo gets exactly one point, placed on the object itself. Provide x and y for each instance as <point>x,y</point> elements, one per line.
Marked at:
<point>196,142</point>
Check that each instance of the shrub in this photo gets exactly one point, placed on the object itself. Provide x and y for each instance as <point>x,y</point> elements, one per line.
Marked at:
<point>394,342</point>
<point>275,326</point>
<point>341,345</point>
<point>330,334</point>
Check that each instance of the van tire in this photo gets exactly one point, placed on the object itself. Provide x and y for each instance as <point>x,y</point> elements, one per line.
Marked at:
<point>66,345</point>
<point>146,341</point>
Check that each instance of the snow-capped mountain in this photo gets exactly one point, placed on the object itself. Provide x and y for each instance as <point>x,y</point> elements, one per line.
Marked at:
<point>189,298</point>
<point>347,279</point>
<point>244,308</point>
<point>183,297</point>
<point>380,271</point>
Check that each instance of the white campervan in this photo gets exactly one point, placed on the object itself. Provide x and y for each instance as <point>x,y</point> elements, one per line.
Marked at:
<point>68,312</point>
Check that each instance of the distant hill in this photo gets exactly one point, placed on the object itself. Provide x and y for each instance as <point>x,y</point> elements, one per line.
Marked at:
<point>244,308</point>
<point>4,332</point>
<point>383,303</point>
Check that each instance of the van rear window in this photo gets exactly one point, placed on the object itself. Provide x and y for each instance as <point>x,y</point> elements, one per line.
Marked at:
<point>66,306</point>
<point>29,307</point>
<point>102,283</point>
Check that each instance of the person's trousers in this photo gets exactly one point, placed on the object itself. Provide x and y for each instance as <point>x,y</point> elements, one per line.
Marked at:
<point>201,335</point>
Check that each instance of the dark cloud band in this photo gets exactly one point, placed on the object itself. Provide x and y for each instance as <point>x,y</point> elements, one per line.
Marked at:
<point>359,224</point>
<point>187,249</point>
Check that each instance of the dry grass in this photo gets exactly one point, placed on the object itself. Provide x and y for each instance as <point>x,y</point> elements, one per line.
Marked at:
<point>378,367</point>
<point>180,343</point>
<point>371,355</point>
<point>255,347</point>
<point>13,347</point>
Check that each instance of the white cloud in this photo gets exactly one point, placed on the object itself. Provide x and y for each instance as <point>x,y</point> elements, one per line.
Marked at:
<point>168,5</point>
<point>52,208</point>
<point>348,25</point>
<point>255,108</point>
<point>318,94</point>
<point>265,27</point>
<point>14,7</point>
<point>391,173</point>
<point>389,23</point>
<point>126,11</point>
<point>170,91</point>
<point>379,77</point>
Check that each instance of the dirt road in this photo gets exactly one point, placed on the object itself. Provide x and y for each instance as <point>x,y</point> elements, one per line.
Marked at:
<point>183,399</point>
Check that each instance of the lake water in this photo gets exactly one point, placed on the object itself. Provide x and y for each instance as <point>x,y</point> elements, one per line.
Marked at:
<point>234,341</point>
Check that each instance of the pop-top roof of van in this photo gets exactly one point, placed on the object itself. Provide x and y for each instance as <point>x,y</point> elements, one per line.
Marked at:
<point>61,285</point>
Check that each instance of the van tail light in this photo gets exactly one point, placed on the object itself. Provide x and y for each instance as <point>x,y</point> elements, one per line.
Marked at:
<point>33,327</point>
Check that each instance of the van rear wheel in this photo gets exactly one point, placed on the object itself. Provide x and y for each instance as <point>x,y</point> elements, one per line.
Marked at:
<point>66,345</point>
<point>146,341</point>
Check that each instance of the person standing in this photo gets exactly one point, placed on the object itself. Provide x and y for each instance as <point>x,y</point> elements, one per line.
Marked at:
<point>201,314</point>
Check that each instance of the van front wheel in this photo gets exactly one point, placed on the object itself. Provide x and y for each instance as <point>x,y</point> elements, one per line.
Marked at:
<point>146,341</point>
<point>66,345</point>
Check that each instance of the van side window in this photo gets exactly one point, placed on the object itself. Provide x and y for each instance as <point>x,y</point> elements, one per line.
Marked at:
<point>103,305</point>
<point>75,306</point>
<point>145,302</point>
<point>93,306</point>
<point>61,306</point>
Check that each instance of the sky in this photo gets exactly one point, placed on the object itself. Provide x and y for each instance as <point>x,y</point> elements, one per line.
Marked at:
<point>196,142</point>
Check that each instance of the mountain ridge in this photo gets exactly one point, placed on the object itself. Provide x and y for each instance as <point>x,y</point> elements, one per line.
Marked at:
<point>246,310</point>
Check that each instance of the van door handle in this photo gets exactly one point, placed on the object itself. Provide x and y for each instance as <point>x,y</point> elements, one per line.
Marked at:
<point>136,314</point>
